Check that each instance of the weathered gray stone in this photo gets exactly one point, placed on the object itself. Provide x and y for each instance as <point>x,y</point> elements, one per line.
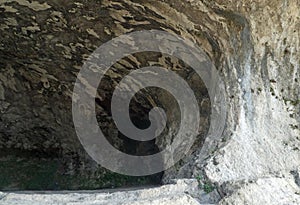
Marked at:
<point>269,190</point>
<point>254,44</point>
<point>177,194</point>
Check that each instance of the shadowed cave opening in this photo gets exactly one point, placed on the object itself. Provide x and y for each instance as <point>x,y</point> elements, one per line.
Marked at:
<point>145,100</point>
<point>49,165</point>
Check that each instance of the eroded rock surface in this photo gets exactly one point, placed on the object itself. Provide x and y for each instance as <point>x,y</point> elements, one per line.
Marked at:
<point>254,44</point>
<point>269,190</point>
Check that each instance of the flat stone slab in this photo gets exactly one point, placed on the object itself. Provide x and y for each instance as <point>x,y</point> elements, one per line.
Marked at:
<point>182,192</point>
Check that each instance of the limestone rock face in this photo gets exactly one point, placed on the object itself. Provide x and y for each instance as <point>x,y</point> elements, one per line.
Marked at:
<point>254,45</point>
<point>269,190</point>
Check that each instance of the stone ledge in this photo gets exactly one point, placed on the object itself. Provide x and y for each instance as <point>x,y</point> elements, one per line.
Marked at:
<point>182,192</point>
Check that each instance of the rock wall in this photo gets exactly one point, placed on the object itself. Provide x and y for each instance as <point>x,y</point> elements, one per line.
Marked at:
<point>253,44</point>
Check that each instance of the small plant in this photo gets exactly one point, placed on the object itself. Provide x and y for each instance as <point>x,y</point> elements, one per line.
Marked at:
<point>199,178</point>
<point>208,187</point>
<point>205,185</point>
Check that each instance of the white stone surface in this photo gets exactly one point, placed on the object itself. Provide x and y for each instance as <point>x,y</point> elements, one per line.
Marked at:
<point>180,193</point>
<point>268,191</point>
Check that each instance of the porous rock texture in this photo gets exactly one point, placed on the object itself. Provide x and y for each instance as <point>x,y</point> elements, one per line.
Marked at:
<point>269,190</point>
<point>254,44</point>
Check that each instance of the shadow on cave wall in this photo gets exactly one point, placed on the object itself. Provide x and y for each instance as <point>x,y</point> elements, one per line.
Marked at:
<point>39,149</point>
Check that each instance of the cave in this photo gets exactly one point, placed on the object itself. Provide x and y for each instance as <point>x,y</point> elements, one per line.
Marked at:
<point>57,168</point>
<point>247,126</point>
